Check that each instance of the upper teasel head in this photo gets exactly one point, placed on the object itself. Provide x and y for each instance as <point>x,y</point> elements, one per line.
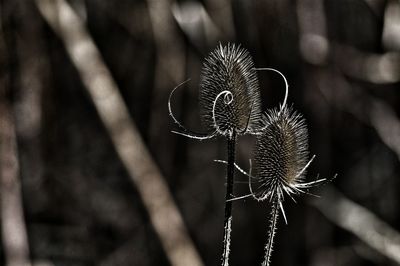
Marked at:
<point>281,155</point>
<point>229,96</point>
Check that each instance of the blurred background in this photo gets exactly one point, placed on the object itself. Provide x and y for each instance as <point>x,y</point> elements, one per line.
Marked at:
<point>92,175</point>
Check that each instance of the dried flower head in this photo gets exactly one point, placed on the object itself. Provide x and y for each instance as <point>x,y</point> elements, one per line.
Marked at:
<point>281,155</point>
<point>281,161</point>
<point>229,96</point>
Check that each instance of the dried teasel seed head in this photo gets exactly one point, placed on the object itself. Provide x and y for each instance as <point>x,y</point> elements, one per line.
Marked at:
<point>281,154</point>
<point>229,95</point>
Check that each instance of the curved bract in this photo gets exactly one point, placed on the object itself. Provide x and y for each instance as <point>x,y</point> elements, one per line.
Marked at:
<point>229,96</point>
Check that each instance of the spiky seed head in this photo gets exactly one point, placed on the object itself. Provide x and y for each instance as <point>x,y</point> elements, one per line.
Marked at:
<point>229,95</point>
<point>281,154</point>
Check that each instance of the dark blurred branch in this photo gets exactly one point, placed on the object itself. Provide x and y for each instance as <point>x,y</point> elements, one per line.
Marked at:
<point>14,234</point>
<point>391,26</point>
<point>133,153</point>
<point>349,98</point>
<point>221,12</point>
<point>171,54</point>
<point>314,45</point>
<point>33,76</point>
<point>15,238</point>
<point>196,23</point>
<point>169,71</point>
<point>376,6</point>
<point>374,68</point>
<point>386,123</point>
<point>361,222</point>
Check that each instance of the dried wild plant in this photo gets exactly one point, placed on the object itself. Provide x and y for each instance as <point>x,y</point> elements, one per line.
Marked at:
<point>229,96</point>
<point>229,102</point>
<point>280,163</point>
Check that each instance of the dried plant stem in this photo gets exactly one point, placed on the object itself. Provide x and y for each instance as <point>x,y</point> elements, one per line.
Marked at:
<point>228,196</point>
<point>272,230</point>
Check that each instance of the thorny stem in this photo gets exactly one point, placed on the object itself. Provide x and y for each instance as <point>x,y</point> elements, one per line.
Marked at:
<point>228,196</point>
<point>272,230</point>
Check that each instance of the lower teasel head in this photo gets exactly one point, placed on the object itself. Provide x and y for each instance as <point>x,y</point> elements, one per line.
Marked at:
<point>281,160</point>
<point>281,155</point>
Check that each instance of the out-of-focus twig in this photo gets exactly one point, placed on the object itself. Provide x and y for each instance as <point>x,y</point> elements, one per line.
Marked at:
<point>391,26</point>
<point>13,227</point>
<point>380,115</point>
<point>376,6</point>
<point>314,45</point>
<point>384,120</point>
<point>110,106</point>
<point>361,222</point>
<point>15,238</point>
<point>43,263</point>
<point>169,71</point>
<point>221,12</point>
<point>196,23</point>
<point>33,77</point>
<point>171,56</point>
<point>374,68</point>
